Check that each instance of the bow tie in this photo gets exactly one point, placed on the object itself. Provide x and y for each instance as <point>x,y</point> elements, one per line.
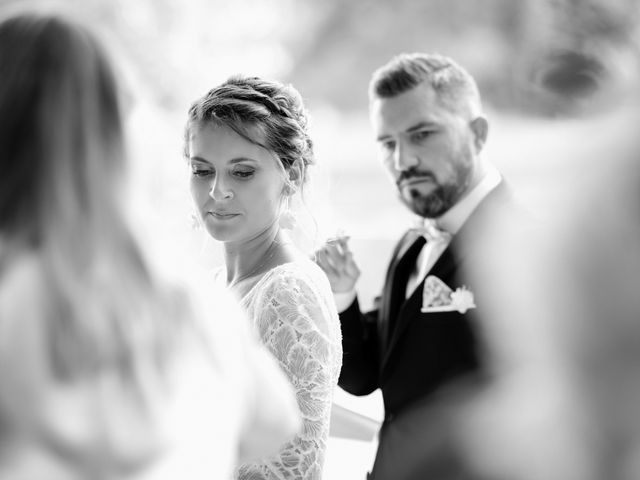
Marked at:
<point>432,232</point>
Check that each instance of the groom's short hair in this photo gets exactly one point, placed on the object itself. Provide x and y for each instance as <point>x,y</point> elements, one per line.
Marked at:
<point>452,83</point>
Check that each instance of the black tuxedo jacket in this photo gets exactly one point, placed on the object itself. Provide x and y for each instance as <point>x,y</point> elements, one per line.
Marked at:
<point>411,355</point>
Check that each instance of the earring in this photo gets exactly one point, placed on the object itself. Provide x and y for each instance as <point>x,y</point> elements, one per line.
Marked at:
<point>286,221</point>
<point>195,222</point>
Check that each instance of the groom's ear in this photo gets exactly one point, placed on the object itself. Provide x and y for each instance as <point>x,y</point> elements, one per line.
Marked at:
<point>480,128</point>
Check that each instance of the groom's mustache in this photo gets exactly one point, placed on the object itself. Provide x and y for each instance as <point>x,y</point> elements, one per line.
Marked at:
<point>409,175</point>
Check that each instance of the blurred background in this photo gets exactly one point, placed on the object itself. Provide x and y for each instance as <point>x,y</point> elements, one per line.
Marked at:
<point>551,72</point>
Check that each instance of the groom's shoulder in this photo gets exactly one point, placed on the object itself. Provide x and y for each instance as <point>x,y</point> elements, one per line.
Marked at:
<point>503,203</point>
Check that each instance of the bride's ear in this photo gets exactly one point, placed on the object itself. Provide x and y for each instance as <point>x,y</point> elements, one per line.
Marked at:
<point>294,178</point>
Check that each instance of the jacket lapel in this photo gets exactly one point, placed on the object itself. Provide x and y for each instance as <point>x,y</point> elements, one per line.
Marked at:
<point>395,287</point>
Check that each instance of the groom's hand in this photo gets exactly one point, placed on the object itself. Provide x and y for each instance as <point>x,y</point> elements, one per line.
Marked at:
<point>335,258</point>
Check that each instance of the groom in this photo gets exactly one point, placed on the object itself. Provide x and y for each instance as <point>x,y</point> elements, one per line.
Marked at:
<point>421,344</point>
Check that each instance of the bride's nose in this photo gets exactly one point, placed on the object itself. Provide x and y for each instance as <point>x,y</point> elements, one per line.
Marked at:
<point>220,191</point>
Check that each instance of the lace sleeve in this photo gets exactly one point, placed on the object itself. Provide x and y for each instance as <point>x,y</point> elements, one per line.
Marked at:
<point>301,329</point>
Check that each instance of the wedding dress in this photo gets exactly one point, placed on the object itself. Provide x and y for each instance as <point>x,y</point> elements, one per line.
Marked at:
<point>292,310</point>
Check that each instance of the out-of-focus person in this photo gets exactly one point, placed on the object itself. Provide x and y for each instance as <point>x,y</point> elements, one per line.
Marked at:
<point>108,369</point>
<point>248,149</point>
<point>566,399</point>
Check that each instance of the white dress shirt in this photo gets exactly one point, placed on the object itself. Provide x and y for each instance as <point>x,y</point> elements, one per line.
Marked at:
<point>451,222</point>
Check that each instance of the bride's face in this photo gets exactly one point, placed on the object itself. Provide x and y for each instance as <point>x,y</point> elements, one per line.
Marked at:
<point>237,186</point>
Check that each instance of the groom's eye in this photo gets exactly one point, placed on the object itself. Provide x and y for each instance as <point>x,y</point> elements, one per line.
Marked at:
<point>421,135</point>
<point>388,146</point>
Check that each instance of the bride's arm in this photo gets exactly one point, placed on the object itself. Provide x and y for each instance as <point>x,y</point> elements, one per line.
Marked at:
<point>303,335</point>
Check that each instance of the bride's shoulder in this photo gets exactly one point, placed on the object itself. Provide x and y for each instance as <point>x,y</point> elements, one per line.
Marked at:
<point>301,276</point>
<point>299,269</point>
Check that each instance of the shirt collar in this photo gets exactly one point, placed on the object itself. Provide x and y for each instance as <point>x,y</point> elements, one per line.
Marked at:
<point>453,219</point>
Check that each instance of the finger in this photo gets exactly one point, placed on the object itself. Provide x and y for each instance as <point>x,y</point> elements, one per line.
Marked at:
<point>338,239</point>
<point>323,262</point>
<point>335,256</point>
<point>332,251</point>
<point>342,242</point>
<point>322,249</point>
<point>352,269</point>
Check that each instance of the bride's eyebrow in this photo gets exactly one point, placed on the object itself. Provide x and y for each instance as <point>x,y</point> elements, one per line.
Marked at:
<point>233,161</point>
<point>242,159</point>
<point>199,159</point>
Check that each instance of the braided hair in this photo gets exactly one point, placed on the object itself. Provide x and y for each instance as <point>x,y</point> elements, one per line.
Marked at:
<point>265,112</point>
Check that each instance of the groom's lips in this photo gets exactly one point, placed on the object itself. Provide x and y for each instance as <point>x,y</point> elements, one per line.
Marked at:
<point>415,181</point>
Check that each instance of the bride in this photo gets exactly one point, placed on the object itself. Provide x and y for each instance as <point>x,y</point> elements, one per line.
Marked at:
<point>248,149</point>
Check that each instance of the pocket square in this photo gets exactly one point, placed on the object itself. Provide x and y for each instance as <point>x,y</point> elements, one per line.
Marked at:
<point>438,297</point>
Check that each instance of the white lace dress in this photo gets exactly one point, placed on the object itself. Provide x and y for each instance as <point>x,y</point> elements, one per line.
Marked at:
<point>292,309</point>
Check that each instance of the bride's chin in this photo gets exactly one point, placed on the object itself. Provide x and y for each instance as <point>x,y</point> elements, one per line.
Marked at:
<point>221,234</point>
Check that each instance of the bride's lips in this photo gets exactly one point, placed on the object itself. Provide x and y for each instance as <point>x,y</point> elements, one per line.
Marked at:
<point>223,215</point>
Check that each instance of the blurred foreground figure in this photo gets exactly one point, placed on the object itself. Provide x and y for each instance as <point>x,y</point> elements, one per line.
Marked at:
<point>566,402</point>
<point>107,370</point>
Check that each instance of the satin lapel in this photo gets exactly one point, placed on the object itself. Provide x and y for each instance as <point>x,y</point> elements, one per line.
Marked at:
<point>390,290</point>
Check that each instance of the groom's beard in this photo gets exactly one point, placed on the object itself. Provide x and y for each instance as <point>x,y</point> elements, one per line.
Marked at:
<point>441,198</point>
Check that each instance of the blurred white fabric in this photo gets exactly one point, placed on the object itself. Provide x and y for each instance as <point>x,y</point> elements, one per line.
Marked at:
<point>352,445</point>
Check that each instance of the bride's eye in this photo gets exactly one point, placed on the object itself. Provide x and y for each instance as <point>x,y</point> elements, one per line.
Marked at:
<point>201,172</point>
<point>201,169</point>
<point>243,173</point>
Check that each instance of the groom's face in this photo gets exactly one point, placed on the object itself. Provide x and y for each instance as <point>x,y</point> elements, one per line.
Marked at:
<point>427,145</point>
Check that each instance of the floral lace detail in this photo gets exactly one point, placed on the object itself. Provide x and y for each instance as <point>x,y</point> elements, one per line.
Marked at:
<point>292,310</point>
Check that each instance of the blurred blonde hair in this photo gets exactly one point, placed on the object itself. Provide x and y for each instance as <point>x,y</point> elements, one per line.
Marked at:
<point>62,162</point>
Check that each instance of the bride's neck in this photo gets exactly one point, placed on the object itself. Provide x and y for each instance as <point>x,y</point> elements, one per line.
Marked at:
<point>248,257</point>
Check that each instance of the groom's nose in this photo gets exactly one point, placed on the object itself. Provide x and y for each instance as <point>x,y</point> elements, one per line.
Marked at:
<point>404,158</point>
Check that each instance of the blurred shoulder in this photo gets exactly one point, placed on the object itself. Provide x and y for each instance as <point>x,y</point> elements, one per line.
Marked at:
<point>23,285</point>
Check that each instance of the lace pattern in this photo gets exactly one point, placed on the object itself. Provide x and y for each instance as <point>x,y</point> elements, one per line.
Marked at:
<point>292,310</point>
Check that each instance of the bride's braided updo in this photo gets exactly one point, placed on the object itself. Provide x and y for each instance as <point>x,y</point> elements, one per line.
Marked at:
<point>264,112</point>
